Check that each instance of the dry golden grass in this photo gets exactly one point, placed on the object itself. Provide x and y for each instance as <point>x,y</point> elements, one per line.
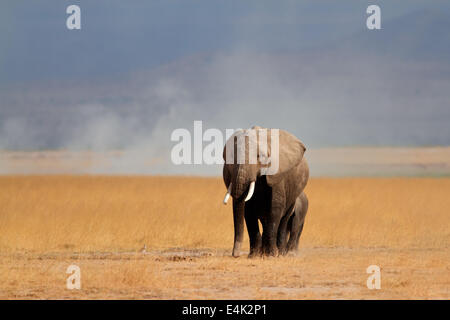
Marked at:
<point>100,223</point>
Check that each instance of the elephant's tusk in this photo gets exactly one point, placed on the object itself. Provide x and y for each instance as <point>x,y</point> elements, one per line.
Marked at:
<point>250,191</point>
<point>227,195</point>
<point>225,200</point>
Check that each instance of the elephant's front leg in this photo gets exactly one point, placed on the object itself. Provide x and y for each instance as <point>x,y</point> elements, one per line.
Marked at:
<point>253,233</point>
<point>270,232</point>
<point>238,217</point>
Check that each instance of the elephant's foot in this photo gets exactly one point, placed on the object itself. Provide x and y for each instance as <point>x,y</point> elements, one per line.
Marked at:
<point>271,251</point>
<point>291,247</point>
<point>255,253</point>
<point>237,249</point>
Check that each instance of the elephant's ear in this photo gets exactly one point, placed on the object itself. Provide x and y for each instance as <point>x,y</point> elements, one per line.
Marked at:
<point>291,152</point>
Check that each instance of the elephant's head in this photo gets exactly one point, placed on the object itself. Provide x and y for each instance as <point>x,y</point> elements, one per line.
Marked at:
<point>248,154</point>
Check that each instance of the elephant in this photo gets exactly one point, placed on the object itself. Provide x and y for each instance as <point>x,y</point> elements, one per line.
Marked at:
<point>294,225</point>
<point>260,196</point>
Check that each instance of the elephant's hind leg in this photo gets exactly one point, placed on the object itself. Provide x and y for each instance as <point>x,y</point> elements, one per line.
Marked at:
<point>298,221</point>
<point>294,238</point>
<point>283,231</point>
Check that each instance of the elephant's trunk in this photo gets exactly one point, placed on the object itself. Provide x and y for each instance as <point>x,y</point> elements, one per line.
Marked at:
<point>238,217</point>
<point>239,182</point>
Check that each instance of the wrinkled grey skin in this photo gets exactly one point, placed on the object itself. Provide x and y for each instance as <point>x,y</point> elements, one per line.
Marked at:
<point>293,224</point>
<point>274,197</point>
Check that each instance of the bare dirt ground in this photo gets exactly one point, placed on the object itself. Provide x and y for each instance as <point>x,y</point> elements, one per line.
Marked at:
<point>100,224</point>
<point>316,273</point>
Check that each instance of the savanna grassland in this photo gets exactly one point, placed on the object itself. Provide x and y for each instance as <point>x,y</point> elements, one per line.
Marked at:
<point>100,223</point>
